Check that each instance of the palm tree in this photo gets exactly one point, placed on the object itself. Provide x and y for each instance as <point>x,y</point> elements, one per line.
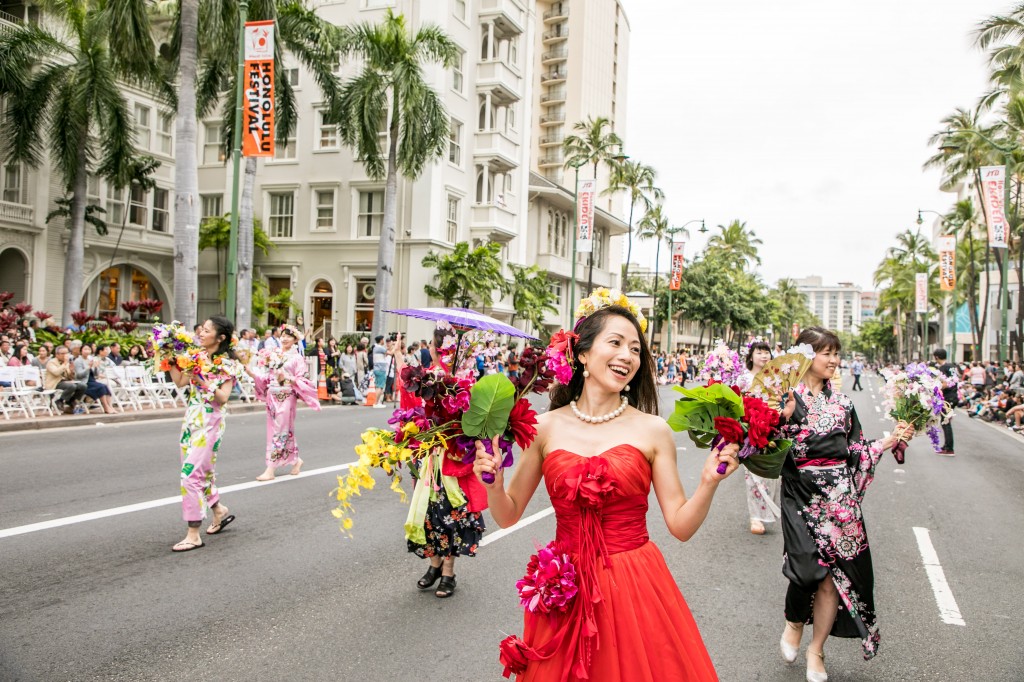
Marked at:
<point>964,223</point>
<point>654,225</point>
<point>594,146</point>
<point>307,38</point>
<point>791,307</point>
<point>637,180</point>
<point>418,129</point>
<point>736,245</point>
<point>64,96</point>
<point>531,295</point>
<point>912,254</point>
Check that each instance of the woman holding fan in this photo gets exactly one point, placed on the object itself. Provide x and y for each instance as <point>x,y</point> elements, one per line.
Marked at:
<point>762,493</point>
<point>827,559</point>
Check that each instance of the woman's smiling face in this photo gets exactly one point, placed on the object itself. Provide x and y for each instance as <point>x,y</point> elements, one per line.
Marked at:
<point>614,358</point>
<point>825,362</point>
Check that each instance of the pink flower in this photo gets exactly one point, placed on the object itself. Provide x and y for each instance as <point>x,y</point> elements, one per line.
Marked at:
<point>457,403</point>
<point>550,581</point>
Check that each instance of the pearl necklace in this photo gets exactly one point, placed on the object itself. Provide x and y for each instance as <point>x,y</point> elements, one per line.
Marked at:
<point>603,418</point>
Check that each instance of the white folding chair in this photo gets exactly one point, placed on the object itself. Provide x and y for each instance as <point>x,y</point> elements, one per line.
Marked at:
<point>176,394</point>
<point>29,384</point>
<point>11,401</point>
<point>122,389</point>
<point>247,387</point>
<point>136,375</point>
<point>160,390</point>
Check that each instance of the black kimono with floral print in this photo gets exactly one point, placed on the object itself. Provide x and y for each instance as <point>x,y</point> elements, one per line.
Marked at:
<point>823,483</point>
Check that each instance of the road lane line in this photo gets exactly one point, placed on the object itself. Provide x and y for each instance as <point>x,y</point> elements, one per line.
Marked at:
<point>948,610</point>
<point>162,502</point>
<point>877,408</point>
<point>499,534</point>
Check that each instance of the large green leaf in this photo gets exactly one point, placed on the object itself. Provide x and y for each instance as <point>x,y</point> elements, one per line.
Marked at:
<point>768,463</point>
<point>695,412</point>
<point>490,402</point>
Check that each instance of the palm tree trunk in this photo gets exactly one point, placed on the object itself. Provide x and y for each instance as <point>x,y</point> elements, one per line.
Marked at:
<point>972,294</point>
<point>186,173</point>
<point>629,249</point>
<point>73,274</point>
<point>246,247</point>
<point>386,248</point>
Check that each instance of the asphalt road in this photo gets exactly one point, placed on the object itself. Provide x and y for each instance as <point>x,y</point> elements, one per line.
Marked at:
<point>283,595</point>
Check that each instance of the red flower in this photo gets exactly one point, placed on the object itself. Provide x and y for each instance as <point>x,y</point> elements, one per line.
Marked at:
<point>729,429</point>
<point>561,342</point>
<point>761,421</point>
<point>513,656</point>
<point>522,422</point>
<point>588,482</point>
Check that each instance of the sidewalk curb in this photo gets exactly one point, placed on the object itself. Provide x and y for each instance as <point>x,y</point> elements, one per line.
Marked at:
<point>60,422</point>
<point>1002,429</point>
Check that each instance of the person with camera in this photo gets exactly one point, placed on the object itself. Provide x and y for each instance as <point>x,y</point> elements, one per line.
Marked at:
<point>949,394</point>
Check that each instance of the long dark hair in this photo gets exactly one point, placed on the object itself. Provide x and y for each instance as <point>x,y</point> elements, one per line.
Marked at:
<point>643,390</point>
<point>226,328</point>
<point>819,339</point>
<point>757,345</point>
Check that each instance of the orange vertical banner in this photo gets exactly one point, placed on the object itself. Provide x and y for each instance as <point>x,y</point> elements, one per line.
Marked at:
<point>947,262</point>
<point>677,266</point>
<point>258,97</point>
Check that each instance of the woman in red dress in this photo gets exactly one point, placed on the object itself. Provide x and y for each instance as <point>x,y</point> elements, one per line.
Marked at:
<point>599,449</point>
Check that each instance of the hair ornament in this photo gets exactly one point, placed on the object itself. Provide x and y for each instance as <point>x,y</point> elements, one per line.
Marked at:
<point>292,331</point>
<point>605,298</point>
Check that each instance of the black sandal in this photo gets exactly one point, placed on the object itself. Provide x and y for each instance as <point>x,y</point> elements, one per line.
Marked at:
<point>429,578</point>
<point>446,587</point>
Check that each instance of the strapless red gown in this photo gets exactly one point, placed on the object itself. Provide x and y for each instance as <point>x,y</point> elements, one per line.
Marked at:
<point>628,622</point>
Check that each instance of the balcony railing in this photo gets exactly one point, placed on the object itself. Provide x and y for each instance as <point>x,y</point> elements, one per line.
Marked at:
<point>552,160</point>
<point>550,76</point>
<point>17,212</point>
<point>557,13</point>
<point>552,119</point>
<point>561,54</point>
<point>553,96</point>
<point>551,139</point>
<point>560,33</point>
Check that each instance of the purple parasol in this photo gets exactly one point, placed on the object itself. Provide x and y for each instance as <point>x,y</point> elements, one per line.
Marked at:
<point>463,317</point>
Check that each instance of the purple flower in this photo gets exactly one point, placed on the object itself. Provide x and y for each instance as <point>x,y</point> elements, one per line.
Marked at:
<point>933,436</point>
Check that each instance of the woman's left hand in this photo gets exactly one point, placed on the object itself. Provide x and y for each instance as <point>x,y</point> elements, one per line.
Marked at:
<point>724,453</point>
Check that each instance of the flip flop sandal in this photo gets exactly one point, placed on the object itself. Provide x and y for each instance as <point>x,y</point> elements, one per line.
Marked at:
<point>217,528</point>
<point>187,546</point>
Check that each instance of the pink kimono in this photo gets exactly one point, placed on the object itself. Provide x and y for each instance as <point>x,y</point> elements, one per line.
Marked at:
<point>282,401</point>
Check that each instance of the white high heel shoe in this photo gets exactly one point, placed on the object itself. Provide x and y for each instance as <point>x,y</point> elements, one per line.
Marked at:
<point>813,676</point>
<point>789,652</point>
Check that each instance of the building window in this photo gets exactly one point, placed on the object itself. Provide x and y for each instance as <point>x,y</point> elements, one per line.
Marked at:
<point>455,143</point>
<point>292,76</point>
<point>115,206</point>
<point>599,249</point>
<point>165,134</point>
<point>510,117</point>
<point>558,233</point>
<point>143,127</point>
<point>458,79</point>
<point>212,205</point>
<point>336,65</point>
<point>276,313</point>
<point>328,138</point>
<point>208,296</point>
<point>556,289</point>
<point>366,296</point>
<point>161,212</point>
<point>460,9</point>
<point>213,148</point>
<point>282,214</point>
<point>324,209</point>
<point>453,219</point>
<point>286,151</point>
<point>13,187</point>
<point>371,214</point>
<point>513,52</point>
<point>92,190</point>
<point>137,208</point>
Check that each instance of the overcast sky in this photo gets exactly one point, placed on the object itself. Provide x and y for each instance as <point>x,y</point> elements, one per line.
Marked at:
<point>809,120</point>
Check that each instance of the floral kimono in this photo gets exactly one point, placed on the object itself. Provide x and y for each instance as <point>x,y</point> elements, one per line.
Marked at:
<point>823,483</point>
<point>201,432</point>
<point>282,401</point>
<point>762,493</point>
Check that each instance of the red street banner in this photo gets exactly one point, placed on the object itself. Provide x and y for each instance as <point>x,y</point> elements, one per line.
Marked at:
<point>258,95</point>
<point>677,266</point>
<point>947,262</point>
<point>585,216</point>
<point>993,179</point>
<point>796,330</point>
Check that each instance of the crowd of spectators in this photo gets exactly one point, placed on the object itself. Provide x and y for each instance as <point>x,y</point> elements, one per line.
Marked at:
<point>994,392</point>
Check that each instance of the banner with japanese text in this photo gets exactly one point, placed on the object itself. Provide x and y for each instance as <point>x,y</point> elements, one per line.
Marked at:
<point>921,292</point>
<point>993,179</point>
<point>258,90</point>
<point>585,216</point>
<point>677,266</point>
<point>947,262</point>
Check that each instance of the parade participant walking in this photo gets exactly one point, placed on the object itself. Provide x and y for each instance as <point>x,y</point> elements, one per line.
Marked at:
<point>599,448</point>
<point>856,369</point>
<point>207,392</point>
<point>762,493</point>
<point>950,395</point>
<point>827,559</point>
<point>284,383</point>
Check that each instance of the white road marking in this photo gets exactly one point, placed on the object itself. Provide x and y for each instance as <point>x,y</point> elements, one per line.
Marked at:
<point>899,471</point>
<point>162,502</point>
<point>522,523</point>
<point>948,610</point>
<point>877,408</point>
<point>680,448</point>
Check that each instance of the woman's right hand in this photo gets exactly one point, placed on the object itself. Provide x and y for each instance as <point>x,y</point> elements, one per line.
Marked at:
<point>790,402</point>
<point>486,463</point>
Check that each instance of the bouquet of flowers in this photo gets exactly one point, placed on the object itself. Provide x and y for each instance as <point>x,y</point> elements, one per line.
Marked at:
<point>718,413</point>
<point>722,364</point>
<point>171,345</point>
<point>269,360</point>
<point>914,396</point>
<point>457,410</point>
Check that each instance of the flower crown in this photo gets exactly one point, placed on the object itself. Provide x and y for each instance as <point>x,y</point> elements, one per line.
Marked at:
<point>560,354</point>
<point>756,339</point>
<point>605,298</point>
<point>292,331</point>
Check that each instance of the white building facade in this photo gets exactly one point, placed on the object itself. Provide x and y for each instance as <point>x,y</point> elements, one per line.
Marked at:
<point>837,306</point>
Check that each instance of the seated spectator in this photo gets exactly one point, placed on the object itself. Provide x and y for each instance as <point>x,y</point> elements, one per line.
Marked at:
<point>42,357</point>
<point>136,356</point>
<point>88,368</point>
<point>60,376</point>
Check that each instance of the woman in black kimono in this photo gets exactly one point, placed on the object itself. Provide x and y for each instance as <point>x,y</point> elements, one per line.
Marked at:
<point>827,559</point>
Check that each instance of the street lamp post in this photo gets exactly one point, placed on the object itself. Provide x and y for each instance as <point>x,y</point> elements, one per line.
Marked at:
<point>672,232</point>
<point>575,163</point>
<point>1007,152</point>
<point>236,153</point>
